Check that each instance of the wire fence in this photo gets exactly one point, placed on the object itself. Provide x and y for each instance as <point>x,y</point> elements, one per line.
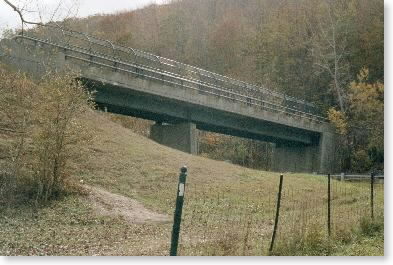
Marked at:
<point>219,221</point>
<point>225,223</point>
<point>350,203</point>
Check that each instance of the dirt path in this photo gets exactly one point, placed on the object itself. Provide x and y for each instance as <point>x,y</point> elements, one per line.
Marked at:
<point>110,204</point>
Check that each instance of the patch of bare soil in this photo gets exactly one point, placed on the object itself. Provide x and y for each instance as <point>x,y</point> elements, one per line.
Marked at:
<point>110,204</point>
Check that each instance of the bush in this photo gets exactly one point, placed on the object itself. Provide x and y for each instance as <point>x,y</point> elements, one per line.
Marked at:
<point>42,121</point>
<point>361,161</point>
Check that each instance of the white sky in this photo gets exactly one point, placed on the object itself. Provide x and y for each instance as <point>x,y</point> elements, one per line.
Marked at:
<point>80,8</point>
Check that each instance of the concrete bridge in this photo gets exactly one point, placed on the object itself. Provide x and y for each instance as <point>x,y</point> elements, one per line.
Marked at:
<point>181,99</point>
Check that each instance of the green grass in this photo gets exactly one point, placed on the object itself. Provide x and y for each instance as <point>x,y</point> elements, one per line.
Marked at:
<point>228,210</point>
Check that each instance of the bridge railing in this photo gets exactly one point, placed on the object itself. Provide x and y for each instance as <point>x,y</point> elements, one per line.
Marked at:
<point>93,50</point>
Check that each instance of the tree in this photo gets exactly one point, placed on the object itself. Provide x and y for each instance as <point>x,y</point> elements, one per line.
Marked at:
<point>44,121</point>
<point>42,17</point>
<point>280,48</point>
<point>362,126</point>
<point>331,29</point>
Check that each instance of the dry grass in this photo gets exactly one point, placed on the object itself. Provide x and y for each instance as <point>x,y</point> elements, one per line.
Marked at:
<point>110,204</point>
<point>71,227</point>
<point>229,210</point>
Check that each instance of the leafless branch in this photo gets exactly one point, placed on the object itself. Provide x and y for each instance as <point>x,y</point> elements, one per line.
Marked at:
<point>24,21</point>
<point>19,11</point>
<point>325,67</point>
<point>56,10</point>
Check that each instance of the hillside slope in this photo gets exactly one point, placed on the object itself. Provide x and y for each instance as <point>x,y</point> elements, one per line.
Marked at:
<point>122,165</point>
<point>130,185</point>
<point>138,167</point>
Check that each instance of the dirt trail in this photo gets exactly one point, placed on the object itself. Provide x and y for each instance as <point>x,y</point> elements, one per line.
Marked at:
<point>110,204</point>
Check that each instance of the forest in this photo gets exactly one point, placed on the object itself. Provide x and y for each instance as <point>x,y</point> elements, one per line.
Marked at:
<point>328,52</point>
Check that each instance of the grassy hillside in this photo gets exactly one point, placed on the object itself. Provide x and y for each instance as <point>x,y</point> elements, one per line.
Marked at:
<point>228,210</point>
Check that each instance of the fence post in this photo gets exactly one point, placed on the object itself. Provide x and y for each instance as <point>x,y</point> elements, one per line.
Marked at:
<point>277,213</point>
<point>372,195</point>
<point>329,207</point>
<point>178,211</point>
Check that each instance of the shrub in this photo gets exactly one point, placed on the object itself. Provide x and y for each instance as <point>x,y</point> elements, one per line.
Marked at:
<point>361,161</point>
<point>43,122</point>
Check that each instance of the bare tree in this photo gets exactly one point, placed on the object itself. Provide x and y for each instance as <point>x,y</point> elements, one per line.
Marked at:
<point>330,46</point>
<point>20,10</point>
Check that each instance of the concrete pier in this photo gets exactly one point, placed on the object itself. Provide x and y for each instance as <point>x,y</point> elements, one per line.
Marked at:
<point>318,157</point>
<point>183,136</point>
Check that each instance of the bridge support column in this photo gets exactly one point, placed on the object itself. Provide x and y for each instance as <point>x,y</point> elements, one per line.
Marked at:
<point>327,150</point>
<point>183,136</point>
<point>319,158</point>
<point>295,158</point>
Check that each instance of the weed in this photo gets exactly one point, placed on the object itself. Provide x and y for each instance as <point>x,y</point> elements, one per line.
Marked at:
<point>343,235</point>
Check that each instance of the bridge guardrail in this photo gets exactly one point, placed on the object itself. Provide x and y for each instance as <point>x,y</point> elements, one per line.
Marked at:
<point>178,73</point>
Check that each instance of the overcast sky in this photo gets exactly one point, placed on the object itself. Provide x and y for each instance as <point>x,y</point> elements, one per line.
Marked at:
<point>81,8</point>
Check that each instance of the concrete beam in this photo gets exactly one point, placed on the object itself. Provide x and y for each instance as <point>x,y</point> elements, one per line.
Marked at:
<point>183,136</point>
<point>161,109</point>
<point>131,83</point>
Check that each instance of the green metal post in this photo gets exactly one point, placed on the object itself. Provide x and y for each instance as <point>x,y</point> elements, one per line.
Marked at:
<point>178,211</point>
<point>277,213</point>
<point>372,195</point>
<point>329,207</point>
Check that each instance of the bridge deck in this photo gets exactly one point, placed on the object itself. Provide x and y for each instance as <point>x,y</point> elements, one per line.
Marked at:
<point>104,53</point>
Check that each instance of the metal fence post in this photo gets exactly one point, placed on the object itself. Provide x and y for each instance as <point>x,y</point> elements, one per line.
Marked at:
<point>329,207</point>
<point>277,213</point>
<point>372,195</point>
<point>178,211</point>
<point>342,176</point>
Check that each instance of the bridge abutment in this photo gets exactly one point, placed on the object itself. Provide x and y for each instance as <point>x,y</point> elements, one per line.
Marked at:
<point>318,158</point>
<point>182,136</point>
